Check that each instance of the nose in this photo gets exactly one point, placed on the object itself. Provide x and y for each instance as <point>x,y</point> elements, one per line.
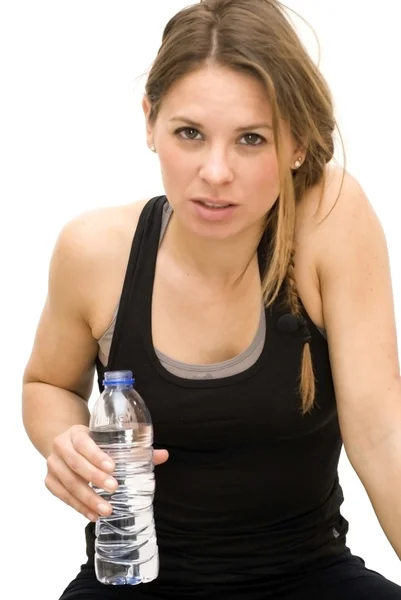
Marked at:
<point>215,168</point>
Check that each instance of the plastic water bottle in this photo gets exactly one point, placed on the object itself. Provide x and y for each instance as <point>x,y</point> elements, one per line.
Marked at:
<point>126,550</point>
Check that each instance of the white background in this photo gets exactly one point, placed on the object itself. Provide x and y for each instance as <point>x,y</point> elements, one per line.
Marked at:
<point>72,138</point>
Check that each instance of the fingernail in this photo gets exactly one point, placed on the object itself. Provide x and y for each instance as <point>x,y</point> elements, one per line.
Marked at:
<point>103,509</point>
<point>91,517</point>
<point>110,485</point>
<point>107,465</point>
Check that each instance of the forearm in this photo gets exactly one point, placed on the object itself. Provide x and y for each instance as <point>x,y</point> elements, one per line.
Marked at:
<point>48,411</point>
<point>380,473</point>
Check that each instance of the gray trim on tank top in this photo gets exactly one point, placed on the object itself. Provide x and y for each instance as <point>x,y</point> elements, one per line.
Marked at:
<point>226,368</point>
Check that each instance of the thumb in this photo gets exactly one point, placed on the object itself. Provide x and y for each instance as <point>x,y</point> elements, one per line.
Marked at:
<point>160,456</point>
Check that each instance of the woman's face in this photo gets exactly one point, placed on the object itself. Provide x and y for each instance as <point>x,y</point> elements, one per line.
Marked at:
<point>214,139</point>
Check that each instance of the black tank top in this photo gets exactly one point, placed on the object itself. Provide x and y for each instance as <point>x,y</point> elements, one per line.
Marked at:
<point>250,490</point>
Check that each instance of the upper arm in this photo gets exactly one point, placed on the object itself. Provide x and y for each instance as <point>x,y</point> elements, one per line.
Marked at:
<point>64,349</point>
<point>91,249</point>
<point>358,310</point>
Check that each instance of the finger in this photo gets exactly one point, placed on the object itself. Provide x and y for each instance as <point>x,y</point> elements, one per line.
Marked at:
<point>77,487</point>
<point>57,489</point>
<point>77,463</point>
<point>160,456</point>
<point>85,445</point>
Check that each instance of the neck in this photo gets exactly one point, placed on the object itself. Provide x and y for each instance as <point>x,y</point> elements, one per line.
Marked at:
<point>222,262</point>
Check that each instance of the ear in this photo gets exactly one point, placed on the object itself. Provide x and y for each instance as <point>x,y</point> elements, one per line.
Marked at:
<point>299,149</point>
<point>298,156</point>
<point>146,107</point>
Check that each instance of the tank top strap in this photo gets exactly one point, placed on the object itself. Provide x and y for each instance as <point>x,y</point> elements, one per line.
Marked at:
<point>139,273</point>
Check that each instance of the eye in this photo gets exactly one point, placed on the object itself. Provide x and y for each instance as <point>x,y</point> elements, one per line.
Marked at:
<point>190,133</point>
<point>253,139</point>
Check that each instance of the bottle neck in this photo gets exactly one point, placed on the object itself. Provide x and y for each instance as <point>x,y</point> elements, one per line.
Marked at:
<point>118,386</point>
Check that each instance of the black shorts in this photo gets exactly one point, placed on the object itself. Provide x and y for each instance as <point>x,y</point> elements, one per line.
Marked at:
<point>345,579</point>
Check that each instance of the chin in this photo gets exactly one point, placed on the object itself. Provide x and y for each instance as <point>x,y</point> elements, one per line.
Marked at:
<point>216,231</point>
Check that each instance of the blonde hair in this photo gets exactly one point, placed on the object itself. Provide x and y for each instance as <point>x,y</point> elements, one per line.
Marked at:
<point>257,38</point>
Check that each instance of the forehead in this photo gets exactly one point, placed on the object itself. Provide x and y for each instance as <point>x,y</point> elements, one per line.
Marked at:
<point>213,90</point>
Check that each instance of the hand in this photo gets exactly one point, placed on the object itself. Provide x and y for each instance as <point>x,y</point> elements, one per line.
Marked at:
<point>74,463</point>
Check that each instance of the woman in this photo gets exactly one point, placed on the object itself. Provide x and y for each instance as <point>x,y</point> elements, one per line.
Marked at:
<point>255,309</point>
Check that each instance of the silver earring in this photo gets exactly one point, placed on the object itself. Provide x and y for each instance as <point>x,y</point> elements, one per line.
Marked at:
<point>298,163</point>
<point>153,148</point>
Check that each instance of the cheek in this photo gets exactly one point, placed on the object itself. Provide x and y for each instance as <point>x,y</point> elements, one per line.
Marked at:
<point>171,165</point>
<point>168,156</point>
<point>263,177</point>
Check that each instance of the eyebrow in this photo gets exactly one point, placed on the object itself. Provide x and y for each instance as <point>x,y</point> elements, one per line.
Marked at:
<point>239,129</point>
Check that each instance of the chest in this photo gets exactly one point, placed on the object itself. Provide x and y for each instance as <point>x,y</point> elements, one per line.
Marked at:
<point>195,323</point>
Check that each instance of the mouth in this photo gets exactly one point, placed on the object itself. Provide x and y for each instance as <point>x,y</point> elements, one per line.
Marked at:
<point>212,204</point>
<point>213,211</point>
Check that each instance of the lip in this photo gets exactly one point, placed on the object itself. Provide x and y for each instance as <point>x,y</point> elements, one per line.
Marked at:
<point>217,201</point>
<point>221,213</point>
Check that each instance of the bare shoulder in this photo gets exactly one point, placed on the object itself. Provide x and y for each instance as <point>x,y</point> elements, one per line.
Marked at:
<point>92,249</point>
<point>94,233</point>
<point>337,202</point>
<point>333,218</point>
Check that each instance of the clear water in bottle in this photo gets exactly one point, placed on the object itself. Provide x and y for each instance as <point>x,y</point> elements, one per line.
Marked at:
<point>126,550</point>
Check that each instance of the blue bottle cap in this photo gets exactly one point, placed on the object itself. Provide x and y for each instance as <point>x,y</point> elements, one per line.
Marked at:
<point>118,378</point>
